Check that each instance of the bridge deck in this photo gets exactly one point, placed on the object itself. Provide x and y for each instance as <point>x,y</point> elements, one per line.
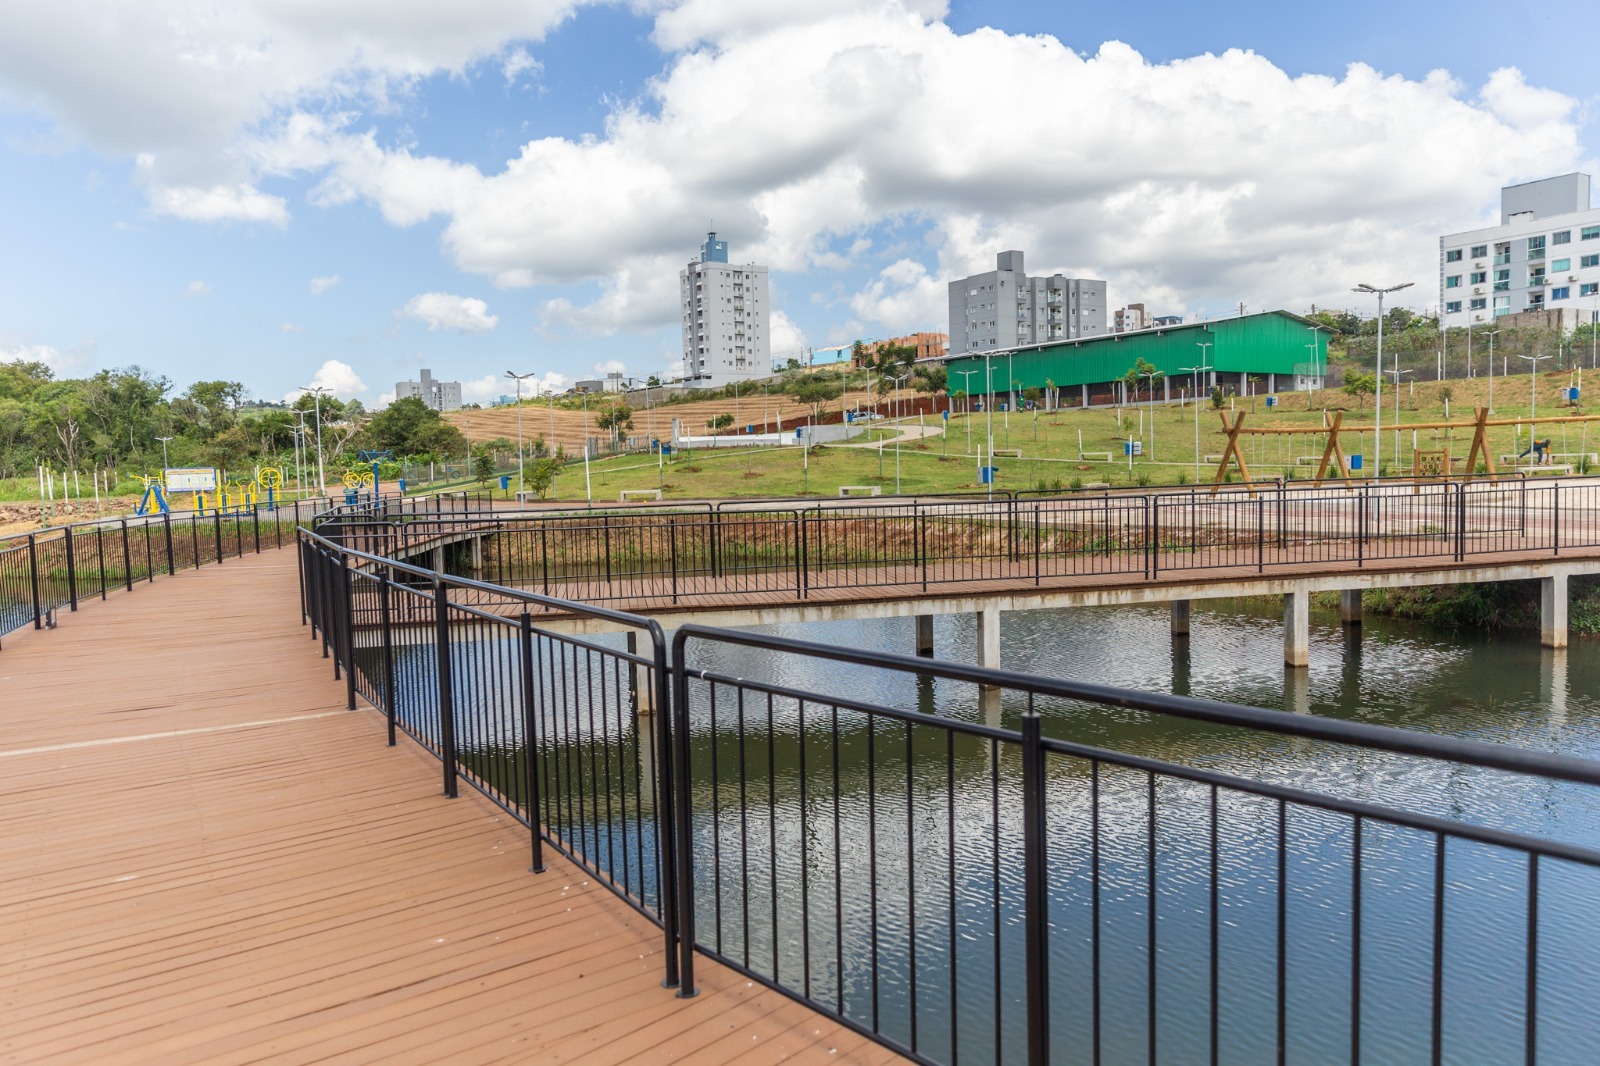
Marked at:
<point>208,859</point>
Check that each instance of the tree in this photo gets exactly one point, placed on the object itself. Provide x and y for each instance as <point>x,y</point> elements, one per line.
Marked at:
<point>616,420</point>
<point>1360,386</point>
<point>1140,372</point>
<point>815,392</point>
<point>720,422</point>
<point>930,379</point>
<point>411,427</point>
<point>482,465</point>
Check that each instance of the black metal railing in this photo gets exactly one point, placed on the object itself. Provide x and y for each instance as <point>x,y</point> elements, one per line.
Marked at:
<point>51,570</point>
<point>647,558</point>
<point>1021,877</point>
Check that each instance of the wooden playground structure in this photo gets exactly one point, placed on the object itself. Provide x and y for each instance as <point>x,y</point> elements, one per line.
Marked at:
<point>1430,464</point>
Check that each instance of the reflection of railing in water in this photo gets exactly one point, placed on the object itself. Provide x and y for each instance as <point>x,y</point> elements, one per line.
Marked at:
<point>650,558</point>
<point>960,890</point>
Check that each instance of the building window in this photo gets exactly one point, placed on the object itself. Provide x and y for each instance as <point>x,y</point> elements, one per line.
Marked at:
<point>1502,301</point>
<point>1453,307</point>
<point>1590,288</point>
<point>1558,265</point>
<point>1563,237</point>
<point>1502,280</point>
<point>1589,260</point>
<point>1480,277</point>
<point>1590,233</point>
<point>1453,255</point>
<point>1536,247</point>
<point>1561,292</point>
<point>1478,303</point>
<point>1453,281</point>
<point>1535,300</point>
<point>1479,251</point>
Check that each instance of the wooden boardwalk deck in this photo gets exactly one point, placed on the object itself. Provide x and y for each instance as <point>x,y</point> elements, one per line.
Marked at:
<point>207,859</point>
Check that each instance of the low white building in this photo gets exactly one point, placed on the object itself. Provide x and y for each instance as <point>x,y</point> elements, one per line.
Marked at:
<point>1544,255</point>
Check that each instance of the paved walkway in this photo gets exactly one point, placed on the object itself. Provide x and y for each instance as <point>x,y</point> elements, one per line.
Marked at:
<point>207,859</point>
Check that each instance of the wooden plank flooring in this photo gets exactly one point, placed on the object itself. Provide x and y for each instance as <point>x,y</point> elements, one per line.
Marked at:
<point>206,858</point>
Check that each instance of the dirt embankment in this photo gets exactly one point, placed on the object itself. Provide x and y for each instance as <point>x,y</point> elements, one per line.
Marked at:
<point>23,517</point>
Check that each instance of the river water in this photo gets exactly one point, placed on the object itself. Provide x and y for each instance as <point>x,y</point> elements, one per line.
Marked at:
<point>878,868</point>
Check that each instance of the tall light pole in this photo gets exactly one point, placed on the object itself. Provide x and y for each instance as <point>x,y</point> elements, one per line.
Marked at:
<point>1492,334</point>
<point>988,418</point>
<point>967,388</point>
<point>1316,362</point>
<point>899,383</point>
<point>1150,406</point>
<point>1194,372</point>
<point>316,392</point>
<point>1533,398</point>
<point>164,463</point>
<point>1396,375</point>
<point>519,378</point>
<point>1377,401</point>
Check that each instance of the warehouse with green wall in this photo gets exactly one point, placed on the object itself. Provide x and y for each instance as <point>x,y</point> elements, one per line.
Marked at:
<point>1283,350</point>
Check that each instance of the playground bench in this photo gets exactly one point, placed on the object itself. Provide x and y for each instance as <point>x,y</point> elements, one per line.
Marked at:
<point>643,494</point>
<point>1014,453</point>
<point>1105,457</point>
<point>851,490</point>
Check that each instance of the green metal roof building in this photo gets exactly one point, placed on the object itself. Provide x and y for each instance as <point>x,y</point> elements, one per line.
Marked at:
<point>1284,350</point>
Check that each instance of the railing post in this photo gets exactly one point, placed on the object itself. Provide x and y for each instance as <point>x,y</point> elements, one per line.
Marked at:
<point>390,700</point>
<point>1036,550</point>
<point>127,557</point>
<point>1261,534</point>
<point>100,557</point>
<point>1153,504</point>
<point>1461,521</point>
<point>447,723</point>
<point>678,784</point>
<point>1035,893</point>
<point>672,553</point>
<point>921,543</point>
<point>255,521</point>
<point>172,565</point>
<point>605,533</point>
<point>805,568</point>
<point>216,526</point>
<point>530,747</point>
<point>679,950</point>
<point>347,617</point>
<point>33,574</point>
<point>1361,527</point>
<point>72,571</point>
<point>1555,517</point>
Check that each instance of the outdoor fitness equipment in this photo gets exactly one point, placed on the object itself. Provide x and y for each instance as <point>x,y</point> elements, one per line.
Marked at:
<point>155,496</point>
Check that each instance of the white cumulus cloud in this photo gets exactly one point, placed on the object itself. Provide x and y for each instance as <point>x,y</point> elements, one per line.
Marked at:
<point>441,310</point>
<point>339,378</point>
<point>323,284</point>
<point>196,288</point>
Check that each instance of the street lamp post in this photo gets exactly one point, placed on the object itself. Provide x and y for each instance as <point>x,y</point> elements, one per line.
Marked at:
<point>164,463</point>
<point>988,418</point>
<point>1533,400</point>
<point>1396,375</point>
<point>1492,334</point>
<point>1194,372</point>
<point>1377,401</point>
<point>967,388</point>
<point>316,392</point>
<point>522,487</point>
<point>899,383</point>
<point>1150,406</point>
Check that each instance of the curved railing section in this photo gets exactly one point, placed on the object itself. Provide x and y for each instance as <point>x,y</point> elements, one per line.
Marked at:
<point>1027,879</point>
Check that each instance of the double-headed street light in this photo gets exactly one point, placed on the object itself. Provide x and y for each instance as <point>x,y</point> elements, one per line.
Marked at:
<point>519,378</point>
<point>1533,400</point>
<point>316,392</point>
<point>1491,334</point>
<point>164,463</point>
<point>1194,373</point>
<point>1377,402</point>
<point>1396,375</point>
<point>967,389</point>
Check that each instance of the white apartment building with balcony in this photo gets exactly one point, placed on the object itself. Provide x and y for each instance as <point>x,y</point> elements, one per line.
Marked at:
<point>1544,255</point>
<point>726,313</point>
<point>1004,308</point>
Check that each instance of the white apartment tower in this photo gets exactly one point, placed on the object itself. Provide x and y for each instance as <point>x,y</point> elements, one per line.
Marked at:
<point>1544,255</point>
<point>439,395</point>
<point>725,319</point>
<point>1004,308</point>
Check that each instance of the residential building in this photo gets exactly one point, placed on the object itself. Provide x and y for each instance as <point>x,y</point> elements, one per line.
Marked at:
<point>1545,254</point>
<point>927,345</point>
<point>1127,319</point>
<point>1167,320</point>
<point>1261,353</point>
<point>1004,308</point>
<point>726,312</point>
<point>439,395</point>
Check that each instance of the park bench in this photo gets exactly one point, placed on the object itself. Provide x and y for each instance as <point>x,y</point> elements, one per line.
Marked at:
<point>1105,457</point>
<point>852,490</point>
<point>644,494</point>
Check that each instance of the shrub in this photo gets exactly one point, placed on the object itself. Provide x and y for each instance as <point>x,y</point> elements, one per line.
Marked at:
<point>1076,484</point>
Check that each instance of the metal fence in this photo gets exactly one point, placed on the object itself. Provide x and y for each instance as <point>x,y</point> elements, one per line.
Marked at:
<point>653,557</point>
<point>51,570</point>
<point>989,887</point>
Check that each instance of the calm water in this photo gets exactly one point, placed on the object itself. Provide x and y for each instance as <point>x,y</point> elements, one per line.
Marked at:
<point>864,863</point>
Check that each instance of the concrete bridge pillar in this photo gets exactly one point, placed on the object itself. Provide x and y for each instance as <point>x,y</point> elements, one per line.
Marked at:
<point>437,559</point>
<point>1553,611</point>
<point>644,694</point>
<point>1297,629</point>
<point>477,555</point>
<point>1350,607</point>
<point>1180,618</point>
<point>925,635</point>
<point>989,656</point>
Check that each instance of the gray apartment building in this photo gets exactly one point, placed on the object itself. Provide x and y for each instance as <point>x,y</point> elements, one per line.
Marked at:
<point>1004,308</point>
<point>1544,256</point>
<point>439,395</point>
<point>726,314</point>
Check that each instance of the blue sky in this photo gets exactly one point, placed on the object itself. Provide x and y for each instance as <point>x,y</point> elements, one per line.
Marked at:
<point>347,192</point>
